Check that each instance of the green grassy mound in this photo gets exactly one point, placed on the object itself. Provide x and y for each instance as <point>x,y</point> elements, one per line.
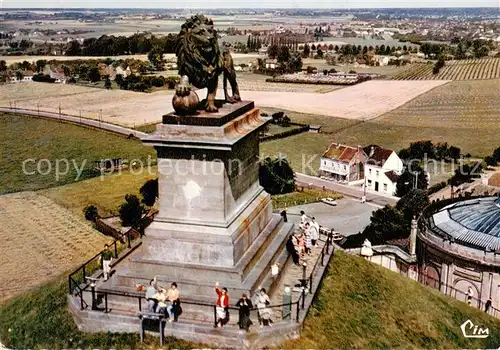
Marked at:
<point>365,306</point>
<point>40,319</point>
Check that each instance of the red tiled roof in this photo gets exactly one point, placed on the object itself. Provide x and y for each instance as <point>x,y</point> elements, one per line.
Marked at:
<point>340,152</point>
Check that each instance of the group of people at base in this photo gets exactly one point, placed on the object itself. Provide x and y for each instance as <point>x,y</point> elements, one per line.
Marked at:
<point>301,243</point>
<point>244,305</point>
<point>164,301</point>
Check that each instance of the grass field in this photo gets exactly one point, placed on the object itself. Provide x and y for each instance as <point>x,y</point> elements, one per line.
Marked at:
<point>302,197</point>
<point>362,305</point>
<point>40,240</point>
<point>23,138</point>
<point>470,69</point>
<point>106,193</point>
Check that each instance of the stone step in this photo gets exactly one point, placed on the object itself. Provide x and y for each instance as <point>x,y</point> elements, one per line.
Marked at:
<point>275,250</point>
<point>259,246</point>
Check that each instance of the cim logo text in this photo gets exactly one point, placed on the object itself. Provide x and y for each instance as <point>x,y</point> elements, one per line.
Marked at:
<point>470,330</point>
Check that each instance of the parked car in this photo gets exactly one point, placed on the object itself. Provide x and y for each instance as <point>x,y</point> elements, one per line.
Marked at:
<point>329,201</point>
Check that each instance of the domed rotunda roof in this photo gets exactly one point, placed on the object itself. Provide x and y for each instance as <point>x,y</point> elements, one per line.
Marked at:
<point>473,222</point>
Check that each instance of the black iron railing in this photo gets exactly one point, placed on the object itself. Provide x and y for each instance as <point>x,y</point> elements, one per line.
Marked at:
<point>79,276</point>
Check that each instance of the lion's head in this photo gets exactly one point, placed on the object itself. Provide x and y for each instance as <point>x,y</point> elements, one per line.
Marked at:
<point>198,52</point>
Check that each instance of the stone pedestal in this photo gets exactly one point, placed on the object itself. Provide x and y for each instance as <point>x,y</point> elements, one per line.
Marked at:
<point>215,221</point>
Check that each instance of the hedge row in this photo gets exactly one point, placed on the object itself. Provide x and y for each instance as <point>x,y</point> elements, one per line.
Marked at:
<point>437,187</point>
<point>287,133</point>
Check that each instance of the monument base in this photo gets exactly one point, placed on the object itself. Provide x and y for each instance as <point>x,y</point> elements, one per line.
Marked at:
<point>215,222</point>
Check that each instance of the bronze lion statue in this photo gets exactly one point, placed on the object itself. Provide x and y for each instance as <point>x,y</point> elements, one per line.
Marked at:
<point>202,60</point>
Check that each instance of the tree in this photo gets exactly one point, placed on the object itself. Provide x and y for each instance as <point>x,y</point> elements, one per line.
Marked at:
<point>107,83</point>
<point>156,59</point>
<point>319,53</point>
<point>465,173</point>
<point>496,154</point>
<point>454,152</point>
<point>412,204</point>
<point>91,213</point>
<point>490,161</point>
<point>131,211</point>
<point>93,75</point>
<point>3,66</point>
<point>276,176</point>
<point>406,181</point>
<point>330,47</point>
<point>307,50</point>
<point>272,51</point>
<point>119,80</point>
<point>385,224</point>
<point>40,65</point>
<point>149,192</point>
<point>283,54</point>
<point>19,75</point>
<point>73,48</point>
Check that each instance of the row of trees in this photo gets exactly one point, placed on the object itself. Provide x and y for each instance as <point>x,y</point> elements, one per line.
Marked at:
<point>494,159</point>
<point>425,149</point>
<point>141,83</point>
<point>141,43</point>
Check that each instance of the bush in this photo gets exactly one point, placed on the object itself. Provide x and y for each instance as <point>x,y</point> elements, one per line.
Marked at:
<point>91,213</point>
<point>41,78</point>
<point>131,211</point>
<point>277,117</point>
<point>333,70</point>
<point>149,192</point>
<point>352,71</point>
<point>284,122</point>
<point>325,72</point>
<point>436,188</point>
<point>490,161</point>
<point>311,70</point>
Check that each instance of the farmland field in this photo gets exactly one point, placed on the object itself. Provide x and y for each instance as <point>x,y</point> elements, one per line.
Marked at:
<point>363,101</point>
<point>463,113</point>
<point>25,138</point>
<point>40,241</point>
<point>470,69</point>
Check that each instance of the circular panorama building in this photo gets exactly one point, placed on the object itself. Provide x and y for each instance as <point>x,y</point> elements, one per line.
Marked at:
<point>460,248</point>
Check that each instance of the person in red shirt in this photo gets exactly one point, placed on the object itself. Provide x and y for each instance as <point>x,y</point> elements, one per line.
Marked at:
<point>222,306</point>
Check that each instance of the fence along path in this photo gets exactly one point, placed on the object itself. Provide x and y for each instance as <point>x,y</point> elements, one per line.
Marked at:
<point>76,120</point>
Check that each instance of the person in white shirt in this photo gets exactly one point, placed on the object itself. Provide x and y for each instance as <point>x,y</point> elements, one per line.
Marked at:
<point>314,231</point>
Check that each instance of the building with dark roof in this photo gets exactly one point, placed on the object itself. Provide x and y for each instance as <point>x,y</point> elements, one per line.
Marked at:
<point>342,163</point>
<point>383,169</point>
<point>459,248</point>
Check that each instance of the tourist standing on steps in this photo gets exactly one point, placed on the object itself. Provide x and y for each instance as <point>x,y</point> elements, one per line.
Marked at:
<point>303,219</point>
<point>244,305</point>
<point>283,215</point>
<point>314,230</point>
<point>265,313</point>
<point>106,257</point>
<point>172,297</point>
<point>308,239</point>
<point>151,296</point>
<point>290,247</point>
<point>222,306</point>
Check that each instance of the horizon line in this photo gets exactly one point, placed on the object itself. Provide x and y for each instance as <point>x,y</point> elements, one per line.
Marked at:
<point>245,8</point>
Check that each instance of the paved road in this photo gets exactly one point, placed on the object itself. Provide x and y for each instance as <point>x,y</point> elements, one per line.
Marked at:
<point>77,120</point>
<point>346,190</point>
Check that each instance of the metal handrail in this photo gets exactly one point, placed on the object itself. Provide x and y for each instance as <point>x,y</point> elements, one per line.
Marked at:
<point>98,255</point>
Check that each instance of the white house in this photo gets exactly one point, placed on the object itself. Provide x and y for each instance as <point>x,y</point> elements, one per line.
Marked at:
<point>123,72</point>
<point>382,170</point>
<point>342,163</point>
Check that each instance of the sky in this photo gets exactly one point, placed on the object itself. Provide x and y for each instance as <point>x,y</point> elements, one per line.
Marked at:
<point>246,4</point>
